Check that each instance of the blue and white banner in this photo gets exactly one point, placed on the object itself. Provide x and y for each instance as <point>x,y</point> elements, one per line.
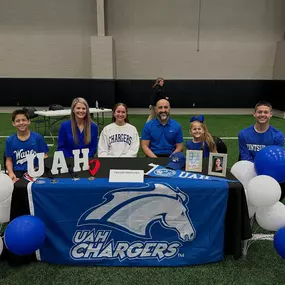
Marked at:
<point>155,223</point>
<point>160,171</point>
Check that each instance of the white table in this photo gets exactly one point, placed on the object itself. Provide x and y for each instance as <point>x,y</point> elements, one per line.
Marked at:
<point>52,117</point>
<point>67,112</point>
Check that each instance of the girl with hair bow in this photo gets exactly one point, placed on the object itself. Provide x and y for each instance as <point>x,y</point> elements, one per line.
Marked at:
<point>202,139</point>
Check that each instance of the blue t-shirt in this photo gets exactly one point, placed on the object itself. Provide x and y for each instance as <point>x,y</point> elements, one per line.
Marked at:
<point>250,141</point>
<point>67,144</point>
<point>163,138</point>
<point>18,150</point>
<point>198,146</point>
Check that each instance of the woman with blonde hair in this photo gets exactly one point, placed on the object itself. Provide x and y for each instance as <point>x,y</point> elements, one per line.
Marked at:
<point>79,132</point>
<point>156,96</point>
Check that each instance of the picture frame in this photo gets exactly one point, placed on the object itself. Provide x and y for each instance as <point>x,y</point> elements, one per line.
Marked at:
<point>194,160</point>
<point>218,164</point>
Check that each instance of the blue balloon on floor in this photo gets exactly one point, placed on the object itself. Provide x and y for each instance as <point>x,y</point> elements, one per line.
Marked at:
<point>24,235</point>
<point>271,161</point>
<point>279,242</point>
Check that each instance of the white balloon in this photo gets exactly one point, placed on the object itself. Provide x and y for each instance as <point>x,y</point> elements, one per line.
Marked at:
<point>271,218</point>
<point>5,208</point>
<point>263,191</point>
<point>251,209</point>
<point>244,171</point>
<point>1,245</point>
<point>6,187</point>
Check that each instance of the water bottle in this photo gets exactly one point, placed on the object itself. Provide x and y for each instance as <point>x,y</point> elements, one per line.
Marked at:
<point>96,105</point>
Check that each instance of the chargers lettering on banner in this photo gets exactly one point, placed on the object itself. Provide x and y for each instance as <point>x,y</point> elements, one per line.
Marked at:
<point>87,248</point>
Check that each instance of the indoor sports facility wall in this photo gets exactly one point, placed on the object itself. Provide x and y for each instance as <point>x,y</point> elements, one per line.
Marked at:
<point>217,54</point>
<point>46,39</point>
<point>237,38</point>
<point>279,76</point>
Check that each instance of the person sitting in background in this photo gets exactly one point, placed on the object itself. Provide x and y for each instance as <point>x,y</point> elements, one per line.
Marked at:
<point>120,138</point>
<point>19,145</point>
<point>79,132</point>
<point>162,136</point>
<point>156,95</point>
<point>259,135</point>
<point>202,139</point>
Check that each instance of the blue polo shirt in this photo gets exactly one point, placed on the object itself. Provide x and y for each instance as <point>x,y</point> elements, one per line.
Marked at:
<point>163,138</point>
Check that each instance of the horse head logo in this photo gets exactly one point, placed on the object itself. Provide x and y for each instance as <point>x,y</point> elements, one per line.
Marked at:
<point>134,211</point>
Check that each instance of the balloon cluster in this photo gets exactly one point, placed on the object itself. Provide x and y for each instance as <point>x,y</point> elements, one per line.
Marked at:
<point>25,234</point>
<point>261,184</point>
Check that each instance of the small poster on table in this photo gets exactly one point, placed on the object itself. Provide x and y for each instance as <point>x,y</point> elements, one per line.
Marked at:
<point>194,160</point>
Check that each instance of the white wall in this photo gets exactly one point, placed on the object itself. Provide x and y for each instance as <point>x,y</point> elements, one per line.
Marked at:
<point>103,58</point>
<point>159,38</point>
<point>40,38</point>
<point>279,62</point>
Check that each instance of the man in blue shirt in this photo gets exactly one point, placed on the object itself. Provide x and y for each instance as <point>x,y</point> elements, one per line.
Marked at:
<point>22,143</point>
<point>162,136</point>
<point>259,135</point>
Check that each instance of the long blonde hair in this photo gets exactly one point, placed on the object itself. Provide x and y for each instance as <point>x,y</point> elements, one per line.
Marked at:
<point>157,80</point>
<point>87,121</point>
<point>206,137</point>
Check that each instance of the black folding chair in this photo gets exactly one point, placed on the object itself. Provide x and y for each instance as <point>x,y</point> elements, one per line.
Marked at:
<point>221,146</point>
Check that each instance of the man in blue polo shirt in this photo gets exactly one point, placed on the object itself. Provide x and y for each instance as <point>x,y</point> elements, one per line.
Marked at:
<point>162,136</point>
<point>259,135</point>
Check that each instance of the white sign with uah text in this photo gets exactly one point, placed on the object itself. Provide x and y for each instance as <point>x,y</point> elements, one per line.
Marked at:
<point>59,164</point>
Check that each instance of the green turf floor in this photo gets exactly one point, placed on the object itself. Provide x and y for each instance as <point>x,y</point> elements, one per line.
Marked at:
<point>262,265</point>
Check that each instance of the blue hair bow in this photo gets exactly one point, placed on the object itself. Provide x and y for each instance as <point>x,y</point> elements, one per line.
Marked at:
<point>200,118</point>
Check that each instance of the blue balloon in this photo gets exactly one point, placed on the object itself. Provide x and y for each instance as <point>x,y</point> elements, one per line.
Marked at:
<point>271,161</point>
<point>279,242</point>
<point>24,235</point>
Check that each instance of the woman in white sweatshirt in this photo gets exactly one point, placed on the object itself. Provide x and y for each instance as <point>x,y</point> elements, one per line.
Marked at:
<point>119,139</point>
